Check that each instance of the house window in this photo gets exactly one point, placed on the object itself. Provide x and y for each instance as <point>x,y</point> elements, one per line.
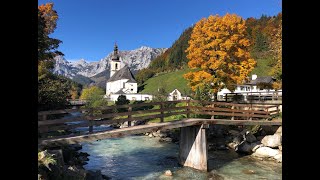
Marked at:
<point>175,97</point>
<point>146,98</point>
<point>131,89</point>
<point>248,88</point>
<point>242,88</point>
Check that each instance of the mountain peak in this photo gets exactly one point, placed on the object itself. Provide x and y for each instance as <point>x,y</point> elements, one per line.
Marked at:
<point>145,48</point>
<point>134,59</point>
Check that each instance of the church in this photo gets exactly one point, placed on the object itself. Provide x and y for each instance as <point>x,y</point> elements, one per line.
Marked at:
<point>122,81</point>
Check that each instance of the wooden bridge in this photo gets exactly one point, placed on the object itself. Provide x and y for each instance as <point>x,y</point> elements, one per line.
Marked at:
<point>77,102</point>
<point>193,143</point>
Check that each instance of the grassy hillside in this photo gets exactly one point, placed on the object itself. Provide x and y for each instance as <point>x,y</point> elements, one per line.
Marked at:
<point>169,81</point>
<point>262,68</point>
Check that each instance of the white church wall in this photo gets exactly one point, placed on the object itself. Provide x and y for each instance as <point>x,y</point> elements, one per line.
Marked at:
<point>115,86</point>
<point>132,97</point>
<point>131,87</point>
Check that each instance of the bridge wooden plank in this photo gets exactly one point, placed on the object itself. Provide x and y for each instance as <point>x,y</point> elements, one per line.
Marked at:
<point>140,112</point>
<point>61,121</point>
<point>148,104</point>
<point>240,122</point>
<point>43,129</point>
<point>118,132</point>
<point>148,128</point>
<point>228,110</point>
<point>62,111</point>
<point>230,114</point>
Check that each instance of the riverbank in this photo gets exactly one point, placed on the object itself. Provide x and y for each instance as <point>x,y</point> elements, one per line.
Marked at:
<point>260,142</point>
<point>68,165</point>
<point>142,157</point>
<point>153,155</point>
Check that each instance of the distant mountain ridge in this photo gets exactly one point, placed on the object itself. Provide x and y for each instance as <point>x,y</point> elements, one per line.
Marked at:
<point>96,72</point>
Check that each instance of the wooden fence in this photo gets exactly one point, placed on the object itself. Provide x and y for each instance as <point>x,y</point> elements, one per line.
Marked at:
<point>254,96</point>
<point>49,122</point>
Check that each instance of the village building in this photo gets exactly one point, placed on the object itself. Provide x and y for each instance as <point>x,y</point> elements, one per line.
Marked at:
<point>122,81</point>
<point>253,88</point>
<point>176,95</point>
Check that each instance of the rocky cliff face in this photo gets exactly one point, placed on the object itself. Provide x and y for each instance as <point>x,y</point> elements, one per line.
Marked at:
<point>135,59</point>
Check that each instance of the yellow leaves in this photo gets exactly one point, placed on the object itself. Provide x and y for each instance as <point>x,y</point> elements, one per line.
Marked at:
<point>198,79</point>
<point>277,85</point>
<point>244,42</point>
<point>50,16</point>
<point>219,48</point>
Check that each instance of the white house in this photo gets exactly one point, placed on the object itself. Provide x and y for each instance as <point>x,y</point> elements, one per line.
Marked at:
<point>121,81</point>
<point>251,88</point>
<point>176,95</point>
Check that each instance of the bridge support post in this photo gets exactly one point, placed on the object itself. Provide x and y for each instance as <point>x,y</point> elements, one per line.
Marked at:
<point>193,150</point>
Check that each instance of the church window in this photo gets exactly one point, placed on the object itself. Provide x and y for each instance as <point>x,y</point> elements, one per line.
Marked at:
<point>116,66</point>
<point>131,89</point>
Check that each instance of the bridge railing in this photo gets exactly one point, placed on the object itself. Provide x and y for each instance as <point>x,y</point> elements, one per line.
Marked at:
<point>47,122</point>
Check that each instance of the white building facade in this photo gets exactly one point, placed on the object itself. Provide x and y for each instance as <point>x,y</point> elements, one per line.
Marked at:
<point>122,81</point>
<point>176,95</point>
<point>251,88</point>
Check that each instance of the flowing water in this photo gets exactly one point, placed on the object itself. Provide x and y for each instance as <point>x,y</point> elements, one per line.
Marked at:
<point>141,157</point>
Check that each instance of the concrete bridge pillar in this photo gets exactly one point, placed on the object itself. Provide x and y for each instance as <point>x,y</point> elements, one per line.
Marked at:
<point>193,150</point>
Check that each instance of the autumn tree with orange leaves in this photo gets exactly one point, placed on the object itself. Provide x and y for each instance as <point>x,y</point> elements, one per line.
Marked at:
<point>219,51</point>
<point>53,90</point>
<point>47,22</point>
<point>276,50</point>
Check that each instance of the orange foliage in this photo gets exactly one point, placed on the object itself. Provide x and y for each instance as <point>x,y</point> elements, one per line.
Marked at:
<point>219,48</point>
<point>50,16</point>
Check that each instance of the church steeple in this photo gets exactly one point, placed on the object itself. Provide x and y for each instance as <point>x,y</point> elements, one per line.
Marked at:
<point>115,56</point>
<point>115,60</point>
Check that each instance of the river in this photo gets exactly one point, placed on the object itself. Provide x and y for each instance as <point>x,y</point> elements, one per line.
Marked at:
<point>141,157</point>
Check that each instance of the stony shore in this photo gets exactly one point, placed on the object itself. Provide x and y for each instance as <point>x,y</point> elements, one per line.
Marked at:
<point>263,142</point>
<point>69,165</point>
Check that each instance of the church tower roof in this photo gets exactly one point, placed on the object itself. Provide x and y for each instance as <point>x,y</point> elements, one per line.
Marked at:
<point>115,55</point>
<point>123,73</point>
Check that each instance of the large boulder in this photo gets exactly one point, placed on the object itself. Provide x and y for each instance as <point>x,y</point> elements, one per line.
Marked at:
<point>272,140</point>
<point>245,147</point>
<point>266,152</point>
<point>234,133</point>
<point>256,146</point>
<point>238,139</point>
<point>250,138</point>
<point>278,157</point>
<point>279,130</point>
<point>259,138</point>
<point>270,129</point>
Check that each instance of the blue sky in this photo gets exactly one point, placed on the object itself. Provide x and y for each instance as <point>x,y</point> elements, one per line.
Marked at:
<point>89,28</point>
